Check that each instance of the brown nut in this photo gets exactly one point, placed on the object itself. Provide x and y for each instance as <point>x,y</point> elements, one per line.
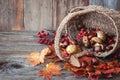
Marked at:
<point>71,49</point>
<point>99,47</point>
<point>96,39</point>
<point>85,41</point>
<point>101,35</point>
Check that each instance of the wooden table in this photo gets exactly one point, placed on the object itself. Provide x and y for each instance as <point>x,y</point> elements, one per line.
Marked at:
<point>14,48</point>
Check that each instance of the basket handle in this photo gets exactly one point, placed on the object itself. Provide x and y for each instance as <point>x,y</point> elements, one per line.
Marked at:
<point>77,9</point>
<point>62,26</point>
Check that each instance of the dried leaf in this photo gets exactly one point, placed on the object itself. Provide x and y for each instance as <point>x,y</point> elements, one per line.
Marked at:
<point>74,61</point>
<point>35,58</point>
<point>50,70</point>
<point>53,54</point>
<point>85,58</point>
<point>80,73</point>
<point>46,51</point>
<point>45,74</point>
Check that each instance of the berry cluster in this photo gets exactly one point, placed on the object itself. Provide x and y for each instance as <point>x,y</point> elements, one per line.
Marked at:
<point>45,37</point>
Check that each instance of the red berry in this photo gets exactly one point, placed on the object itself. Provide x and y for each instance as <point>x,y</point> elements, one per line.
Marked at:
<point>47,33</point>
<point>62,40</point>
<point>42,34</point>
<point>54,35</point>
<point>42,31</point>
<point>39,35</point>
<point>65,55</point>
<point>53,31</point>
<point>66,35</point>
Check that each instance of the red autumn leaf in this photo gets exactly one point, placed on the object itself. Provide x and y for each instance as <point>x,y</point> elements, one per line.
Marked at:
<point>80,73</point>
<point>85,58</point>
<point>93,76</point>
<point>117,70</point>
<point>108,71</point>
<point>67,66</point>
<point>50,70</point>
<point>45,74</point>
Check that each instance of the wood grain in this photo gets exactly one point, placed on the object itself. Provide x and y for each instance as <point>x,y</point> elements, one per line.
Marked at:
<point>11,15</point>
<point>47,14</point>
<point>15,47</point>
<point>113,4</point>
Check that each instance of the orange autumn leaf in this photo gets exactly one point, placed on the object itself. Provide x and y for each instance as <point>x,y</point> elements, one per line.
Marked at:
<point>50,70</point>
<point>35,58</point>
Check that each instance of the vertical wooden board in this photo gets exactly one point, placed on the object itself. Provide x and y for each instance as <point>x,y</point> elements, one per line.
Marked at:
<point>61,11</point>
<point>4,15</point>
<point>17,12</point>
<point>37,14</point>
<point>32,14</point>
<point>46,14</point>
<point>96,2</point>
<point>11,15</point>
<point>113,4</point>
<point>54,14</point>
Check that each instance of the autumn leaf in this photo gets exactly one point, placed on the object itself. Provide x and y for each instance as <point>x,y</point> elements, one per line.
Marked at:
<point>53,53</point>
<point>50,70</point>
<point>35,58</point>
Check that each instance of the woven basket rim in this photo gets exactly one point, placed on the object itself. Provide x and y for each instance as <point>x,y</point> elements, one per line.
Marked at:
<point>80,13</point>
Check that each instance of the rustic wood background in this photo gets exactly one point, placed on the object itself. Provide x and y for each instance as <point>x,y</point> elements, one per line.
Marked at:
<point>33,15</point>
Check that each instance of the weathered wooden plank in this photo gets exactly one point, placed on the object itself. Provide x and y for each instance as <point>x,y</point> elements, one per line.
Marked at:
<point>15,65</point>
<point>47,14</point>
<point>3,14</point>
<point>37,14</point>
<point>113,4</point>
<point>12,59</point>
<point>11,14</point>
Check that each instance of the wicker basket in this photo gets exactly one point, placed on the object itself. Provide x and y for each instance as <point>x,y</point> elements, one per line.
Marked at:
<point>107,20</point>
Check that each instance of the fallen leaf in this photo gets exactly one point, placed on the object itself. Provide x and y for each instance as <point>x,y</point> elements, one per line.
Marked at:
<point>35,58</point>
<point>50,70</point>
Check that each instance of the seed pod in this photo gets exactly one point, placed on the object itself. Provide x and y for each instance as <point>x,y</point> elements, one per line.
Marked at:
<point>101,35</point>
<point>71,49</point>
<point>96,39</point>
<point>74,61</point>
<point>85,41</point>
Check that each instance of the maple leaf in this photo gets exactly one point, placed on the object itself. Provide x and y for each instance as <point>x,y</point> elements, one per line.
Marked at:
<point>35,58</point>
<point>50,70</point>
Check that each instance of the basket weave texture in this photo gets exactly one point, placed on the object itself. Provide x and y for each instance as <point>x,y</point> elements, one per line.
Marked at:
<point>105,19</point>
